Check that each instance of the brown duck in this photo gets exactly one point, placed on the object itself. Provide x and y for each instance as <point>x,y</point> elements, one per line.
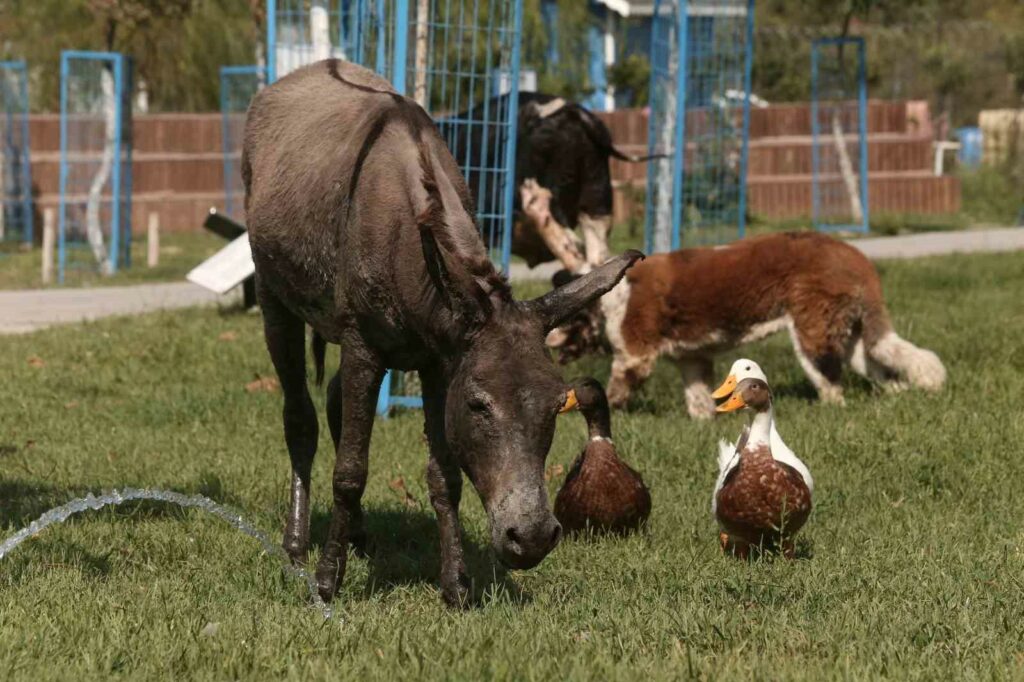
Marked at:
<point>763,494</point>
<point>601,491</point>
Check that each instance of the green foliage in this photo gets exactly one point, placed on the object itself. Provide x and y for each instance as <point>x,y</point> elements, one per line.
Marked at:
<point>910,567</point>
<point>632,74</point>
<point>178,46</point>
<point>991,195</point>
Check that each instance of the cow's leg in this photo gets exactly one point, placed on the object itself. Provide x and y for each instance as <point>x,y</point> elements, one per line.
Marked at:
<point>361,372</point>
<point>286,340</point>
<point>444,481</point>
<point>356,532</point>
<point>698,373</point>
<point>536,201</point>
<point>595,231</point>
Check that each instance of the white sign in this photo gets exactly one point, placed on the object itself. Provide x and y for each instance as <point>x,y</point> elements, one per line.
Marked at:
<point>225,269</point>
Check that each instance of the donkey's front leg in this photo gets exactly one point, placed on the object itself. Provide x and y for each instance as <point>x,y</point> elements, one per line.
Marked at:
<point>444,481</point>
<point>361,373</point>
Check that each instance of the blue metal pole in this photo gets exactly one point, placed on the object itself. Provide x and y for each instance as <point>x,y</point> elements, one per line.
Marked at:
<point>401,46</point>
<point>748,60</point>
<point>815,141</point>
<point>678,170</point>
<point>862,114</point>
<point>398,78</point>
<point>127,149</point>
<point>510,142</point>
<point>115,220</point>
<point>596,69</point>
<point>549,12</point>
<point>652,131</point>
<point>271,41</point>
<point>62,208</point>
<point>382,32</point>
<point>26,157</point>
<point>225,143</point>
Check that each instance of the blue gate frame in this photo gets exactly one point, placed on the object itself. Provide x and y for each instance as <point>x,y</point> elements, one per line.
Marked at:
<point>73,159</point>
<point>237,83</point>
<point>455,87</point>
<point>820,214</point>
<point>17,173</point>
<point>701,59</point>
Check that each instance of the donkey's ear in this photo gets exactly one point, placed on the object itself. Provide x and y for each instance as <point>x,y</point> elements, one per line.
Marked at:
<point>463,295</point>
<point>560,304</point>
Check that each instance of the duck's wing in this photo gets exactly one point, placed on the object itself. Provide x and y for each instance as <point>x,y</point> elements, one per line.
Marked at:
<point>782,453</point>
<point>728,459</point>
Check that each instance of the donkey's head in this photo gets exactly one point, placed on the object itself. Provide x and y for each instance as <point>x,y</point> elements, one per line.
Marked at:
<point>504,391</point>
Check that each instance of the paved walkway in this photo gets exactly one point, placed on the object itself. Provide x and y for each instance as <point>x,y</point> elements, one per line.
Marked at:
<point>28,310</point>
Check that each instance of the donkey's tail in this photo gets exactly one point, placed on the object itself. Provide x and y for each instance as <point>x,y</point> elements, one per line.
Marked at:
<point>918,366</point>
<point>319,348</point>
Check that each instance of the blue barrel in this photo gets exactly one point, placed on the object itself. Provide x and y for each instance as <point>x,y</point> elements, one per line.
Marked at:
<point>970,146</point>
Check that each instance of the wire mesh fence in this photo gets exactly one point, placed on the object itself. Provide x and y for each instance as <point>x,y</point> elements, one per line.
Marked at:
<point>16,224</point>
<point>95,162</point>
<point>701,52</point>
<point>839,130</point>
<point>238,84</point>
<point>459,59</point>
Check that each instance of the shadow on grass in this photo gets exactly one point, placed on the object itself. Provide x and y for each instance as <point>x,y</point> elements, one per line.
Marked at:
<point>403,548</point>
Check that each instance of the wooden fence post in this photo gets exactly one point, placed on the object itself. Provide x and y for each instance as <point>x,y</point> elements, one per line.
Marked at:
<point>49,242</point>
<point>153,241</point>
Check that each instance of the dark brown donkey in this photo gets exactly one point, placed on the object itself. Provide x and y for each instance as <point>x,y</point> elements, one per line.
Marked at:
<point>362,227</point>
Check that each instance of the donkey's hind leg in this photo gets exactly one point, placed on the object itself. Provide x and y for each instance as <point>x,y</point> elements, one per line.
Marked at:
<point>356,532</point>
<point>285,336</point>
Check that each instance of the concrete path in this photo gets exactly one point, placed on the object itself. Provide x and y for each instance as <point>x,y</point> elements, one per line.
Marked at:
<point>28,310</point>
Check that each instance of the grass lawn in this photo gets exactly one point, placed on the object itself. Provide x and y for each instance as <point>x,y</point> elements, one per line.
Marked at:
<point>912,564</point>
<point>179,253</point>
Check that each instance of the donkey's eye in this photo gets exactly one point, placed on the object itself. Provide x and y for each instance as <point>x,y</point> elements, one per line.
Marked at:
<point>479,405</point>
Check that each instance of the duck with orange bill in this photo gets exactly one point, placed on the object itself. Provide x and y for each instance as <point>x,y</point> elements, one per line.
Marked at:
<point>763,493</point>
<point>601,492</point>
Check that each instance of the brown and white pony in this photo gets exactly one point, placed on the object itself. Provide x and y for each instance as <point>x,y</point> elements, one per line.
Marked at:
<point>695,303</point>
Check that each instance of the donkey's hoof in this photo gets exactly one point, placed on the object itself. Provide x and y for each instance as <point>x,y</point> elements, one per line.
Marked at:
<point>327,580</point>
<point>456,592</point>
<point>359,544</point>
<point>296,550</point>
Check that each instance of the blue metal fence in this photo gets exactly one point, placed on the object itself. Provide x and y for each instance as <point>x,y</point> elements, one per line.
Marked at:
<point>238,84</point>
<point>451,56</point>
<point>95,162</point>
<point>701,56</point>
<point>15,163</point>
<point>840,138</point>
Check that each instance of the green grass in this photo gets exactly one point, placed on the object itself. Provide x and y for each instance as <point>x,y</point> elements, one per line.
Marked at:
<point>912,568</point>
<point>179,253</point>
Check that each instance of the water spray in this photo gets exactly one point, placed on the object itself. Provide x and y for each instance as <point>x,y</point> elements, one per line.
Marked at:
<point>118,497</point>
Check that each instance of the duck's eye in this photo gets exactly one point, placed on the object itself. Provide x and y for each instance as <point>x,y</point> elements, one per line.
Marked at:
<point>747,368</point>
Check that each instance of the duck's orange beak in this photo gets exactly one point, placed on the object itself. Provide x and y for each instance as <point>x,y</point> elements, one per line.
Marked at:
<point>735,402</point>
<point>570,402</point>
<point>727,387</point>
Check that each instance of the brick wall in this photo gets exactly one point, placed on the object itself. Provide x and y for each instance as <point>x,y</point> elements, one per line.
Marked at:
<point>178,168</point>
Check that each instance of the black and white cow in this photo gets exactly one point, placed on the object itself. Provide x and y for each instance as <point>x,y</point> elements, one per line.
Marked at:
<point>562,176</point>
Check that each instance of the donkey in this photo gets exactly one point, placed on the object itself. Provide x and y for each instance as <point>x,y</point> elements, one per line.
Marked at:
<point>362,227</point>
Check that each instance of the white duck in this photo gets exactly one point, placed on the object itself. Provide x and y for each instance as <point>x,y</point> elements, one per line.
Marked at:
<point>763,492</point>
